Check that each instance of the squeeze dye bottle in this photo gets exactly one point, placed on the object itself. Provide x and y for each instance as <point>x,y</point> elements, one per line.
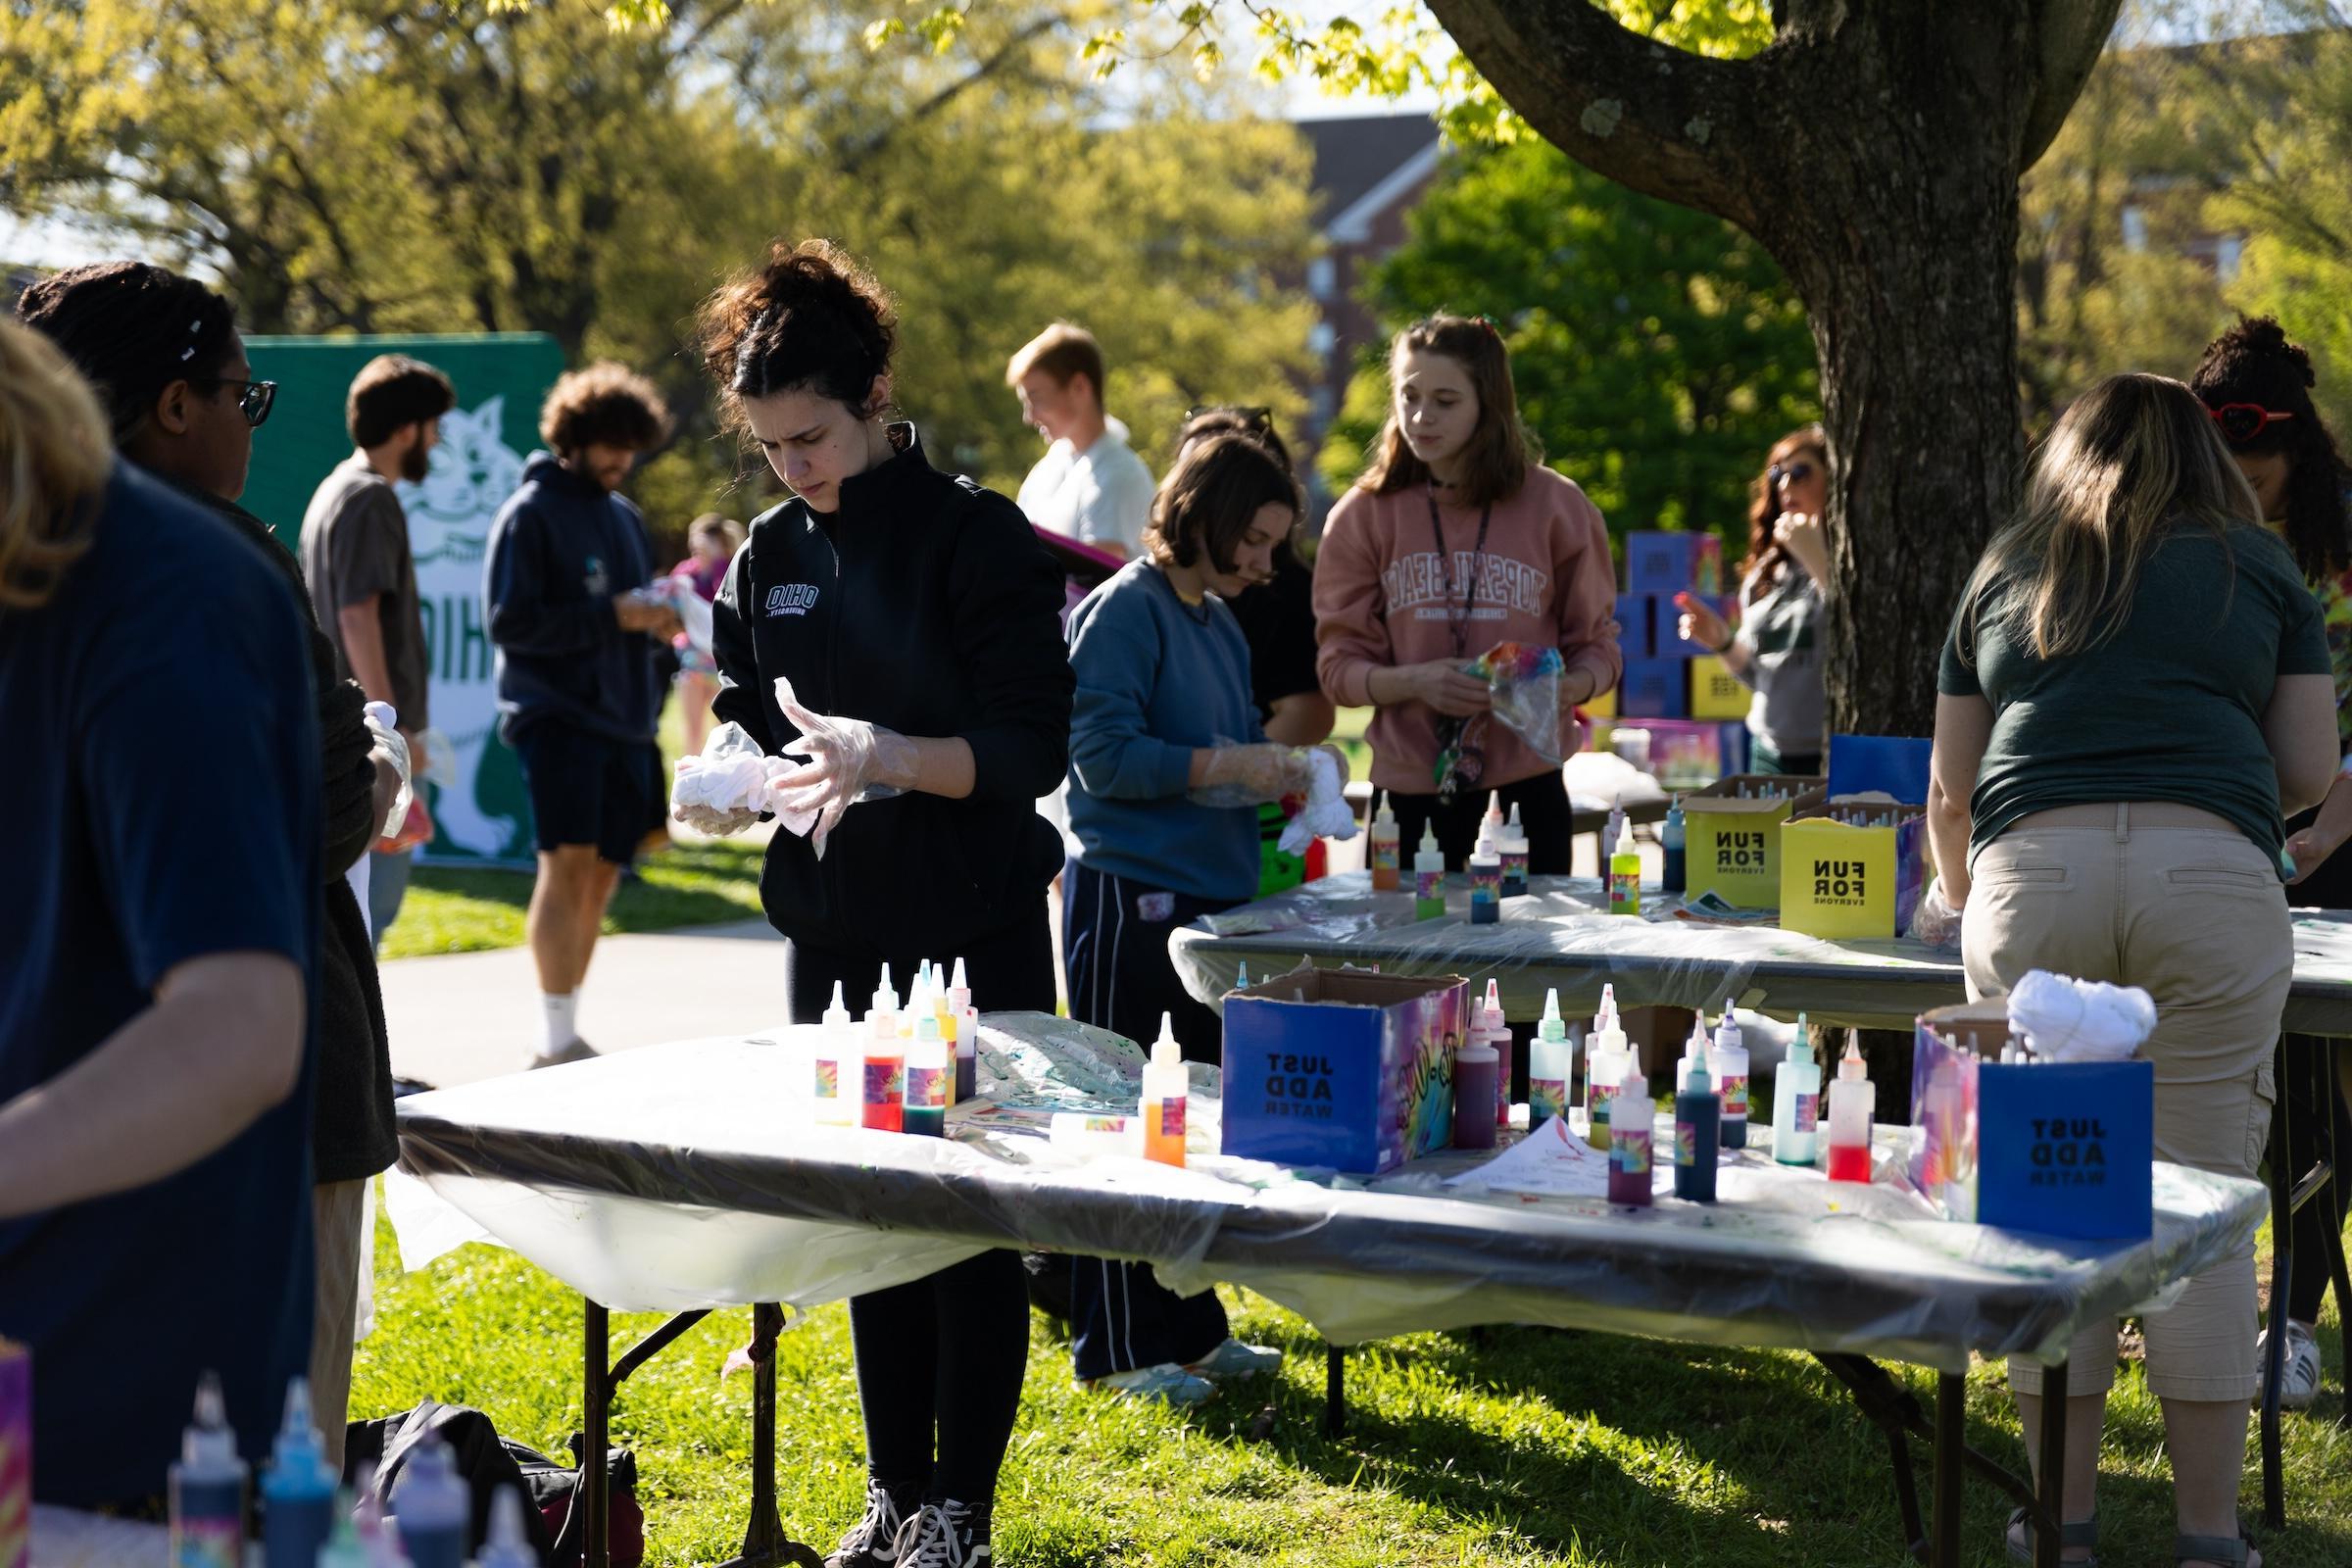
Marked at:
<point>1164,1087</point>
<point>1797,1102</point>
<point>1728,1061</point>
<point>436,1507</point>
<point>1490,825</point>
<point>1632,1117</point>
<point>1671,838</point>
<point>1606,1062</point>
<point>506,1546</point>
<point>1511,845</point>
<point>1475,1093</point>
<point>1497,1034</point>
<point>344,1547</point>
<point>1485,883</point>
<point>208,1487</point>
<point>1625,874</point>
<point>1551,1065</point>
<point>1697,1118</point>
<point>298,1492</point>
<point>1385,850</point>
<point>930,1073</point>
<point>1429,876</point>
<point>967,1035</point>
<point>836,1050</point>
<point>1853,1099</point>
<point>882,1091</point>
<point>1694,1054</point>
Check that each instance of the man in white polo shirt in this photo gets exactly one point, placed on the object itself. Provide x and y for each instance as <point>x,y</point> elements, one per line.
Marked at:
<point>1089,485</point>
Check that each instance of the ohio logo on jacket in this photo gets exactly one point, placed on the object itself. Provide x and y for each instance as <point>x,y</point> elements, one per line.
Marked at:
<point>791,599</point>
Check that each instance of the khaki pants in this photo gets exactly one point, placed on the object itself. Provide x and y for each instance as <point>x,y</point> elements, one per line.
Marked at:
<point>2173,900</point>
<point>336,1210</point>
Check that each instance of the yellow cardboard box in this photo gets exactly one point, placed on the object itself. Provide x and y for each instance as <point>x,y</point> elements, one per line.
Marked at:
<point>1605,706</point>
<point>1731,841</point>
<point>1715,692</point>
<point>1852,871</point>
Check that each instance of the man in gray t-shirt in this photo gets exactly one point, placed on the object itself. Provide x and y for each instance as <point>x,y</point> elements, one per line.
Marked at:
<point>362,578</point>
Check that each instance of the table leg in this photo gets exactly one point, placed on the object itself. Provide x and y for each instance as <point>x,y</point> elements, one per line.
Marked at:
<point>765,1544</point>
<point>590,1500</point>
<point>2049,1543</point>
<point>1951,1439</point>
<point>1334,1390</point>
<point>2282,1261</point>
<point>2333,1155</point>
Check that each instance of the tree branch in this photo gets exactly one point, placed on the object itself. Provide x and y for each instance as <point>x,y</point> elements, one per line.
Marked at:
<point>2068,36</point>
<point>857,158</point>
<point>1658,119</point>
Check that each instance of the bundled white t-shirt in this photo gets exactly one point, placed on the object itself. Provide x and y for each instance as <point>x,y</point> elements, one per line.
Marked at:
<point>1099,496</point>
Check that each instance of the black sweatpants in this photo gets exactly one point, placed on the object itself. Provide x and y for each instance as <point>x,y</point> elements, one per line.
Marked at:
<point>2311,1093</point>
<point>1114,942</point>
<point>940,1361</point>
<point>1544,812</point>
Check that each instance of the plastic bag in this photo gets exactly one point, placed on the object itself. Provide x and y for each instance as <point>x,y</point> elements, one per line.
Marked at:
<point>1524,686</point>
<point>1935,922</point>
<point>677,594</point>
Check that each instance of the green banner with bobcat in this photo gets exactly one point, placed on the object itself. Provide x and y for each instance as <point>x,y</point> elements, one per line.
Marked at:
<point>501,380</point>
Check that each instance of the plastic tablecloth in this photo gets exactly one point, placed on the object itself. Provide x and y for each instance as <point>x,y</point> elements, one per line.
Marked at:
<point>1562,935</point>
<point>689,1175</point>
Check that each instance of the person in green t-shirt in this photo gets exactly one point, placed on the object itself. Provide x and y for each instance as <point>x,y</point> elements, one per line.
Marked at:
<point>2135,690</point>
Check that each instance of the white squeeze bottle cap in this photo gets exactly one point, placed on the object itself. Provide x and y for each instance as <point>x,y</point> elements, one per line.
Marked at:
<point>1165,1052</point>
<point>1624,839</point>
<point>1513,824</point>
<point>506,1546</point>
<point>1494,806</point>
<point>1554,1026</point>
<point>1852,1065</point>
<point>836,1015</point>
<point>1428,839</point>
<point>1494,1004</point>
<point>1384,818</point>
<point>1800,1048</point>
<point>958,986</point>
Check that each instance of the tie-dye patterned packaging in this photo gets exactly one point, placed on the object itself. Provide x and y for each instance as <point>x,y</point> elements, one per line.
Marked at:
<point>16,1456</point>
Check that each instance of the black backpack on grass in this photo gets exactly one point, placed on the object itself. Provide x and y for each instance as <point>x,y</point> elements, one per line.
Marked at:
<point>486,1461</point>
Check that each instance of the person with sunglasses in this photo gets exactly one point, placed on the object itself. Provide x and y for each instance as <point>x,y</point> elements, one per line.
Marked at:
<point>2257,387</point>
<point>1775,649</point>
<point>1456,539</point>
<point>182,401</point>
<point>355,552</point>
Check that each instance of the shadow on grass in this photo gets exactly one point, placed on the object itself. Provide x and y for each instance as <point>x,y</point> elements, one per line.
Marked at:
<point>1765,1454</point>
<point>689,884</point>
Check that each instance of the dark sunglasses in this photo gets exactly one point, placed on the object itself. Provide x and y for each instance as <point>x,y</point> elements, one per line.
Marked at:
<point>2243,422</point>
<point>254,398</point>
<point>1781,473</point>
<point>1258,419</point>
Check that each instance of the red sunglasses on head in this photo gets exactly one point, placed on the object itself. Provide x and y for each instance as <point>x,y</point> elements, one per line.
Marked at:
<point>2243,422</point>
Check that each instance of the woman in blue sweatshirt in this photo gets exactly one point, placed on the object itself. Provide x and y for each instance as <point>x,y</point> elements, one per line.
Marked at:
<point>1168,764</point>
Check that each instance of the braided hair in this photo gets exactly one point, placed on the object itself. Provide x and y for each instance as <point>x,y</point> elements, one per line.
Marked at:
<point>132,329</point>
<point>811,319</point>
<point>2254,363</point>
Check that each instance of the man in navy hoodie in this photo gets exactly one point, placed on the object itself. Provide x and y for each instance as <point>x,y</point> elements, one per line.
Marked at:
<point>581,676</point>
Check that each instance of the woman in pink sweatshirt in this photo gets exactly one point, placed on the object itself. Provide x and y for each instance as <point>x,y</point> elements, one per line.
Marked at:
<point>1456,539</point>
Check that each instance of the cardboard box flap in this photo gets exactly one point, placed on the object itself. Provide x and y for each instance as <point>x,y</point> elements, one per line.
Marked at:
<point>1979,1026</point>
<point>1353,988</point>
<point>1723,799</point>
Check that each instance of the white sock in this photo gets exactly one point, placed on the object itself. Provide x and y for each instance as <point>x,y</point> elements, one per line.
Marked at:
<point>559,1013</point>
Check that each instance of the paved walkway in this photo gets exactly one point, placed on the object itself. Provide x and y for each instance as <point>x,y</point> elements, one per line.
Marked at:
<point>460,1017</point>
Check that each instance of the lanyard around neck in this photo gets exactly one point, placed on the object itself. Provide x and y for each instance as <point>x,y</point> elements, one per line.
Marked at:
<point>1460,619</point>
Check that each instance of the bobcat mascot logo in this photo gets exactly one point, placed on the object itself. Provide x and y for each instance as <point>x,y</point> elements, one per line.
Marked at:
<point>473,471</point>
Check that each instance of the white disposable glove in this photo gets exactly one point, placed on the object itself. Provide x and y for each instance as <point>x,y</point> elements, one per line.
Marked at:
<point>1935,922</point>
<point>1251,774</point>
<point>847,760</point>
<point>723,790</point>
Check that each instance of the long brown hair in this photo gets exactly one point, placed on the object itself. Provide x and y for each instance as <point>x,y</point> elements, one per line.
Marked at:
<point>2135,461</point>
<point>1764,552</point>
<point>1494,464</point>
<point>54,458</point>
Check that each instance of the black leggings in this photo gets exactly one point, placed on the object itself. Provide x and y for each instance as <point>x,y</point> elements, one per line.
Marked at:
<point>940,1361</point>
<point>1543,812</point>
<point>2311,1093</point>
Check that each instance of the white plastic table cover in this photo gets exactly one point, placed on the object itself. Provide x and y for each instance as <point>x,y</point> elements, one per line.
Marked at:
<point>689,1175</point>
<point>1561,935</point>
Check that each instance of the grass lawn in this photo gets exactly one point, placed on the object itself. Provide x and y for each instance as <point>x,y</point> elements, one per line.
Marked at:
<point>466,910</point>
<point>1509,1445</point>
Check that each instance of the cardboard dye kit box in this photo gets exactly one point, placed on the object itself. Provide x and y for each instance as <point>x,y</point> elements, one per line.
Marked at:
<point>1731,836</point>
<point>1651,688</point>
<point>1634,639</point>
<point>1851,870</point>
<point>16,1456</point>
<point>1715,692</point>
<point>1949,1044</point>
<point>2067,1149</point>
<point>1673,563</point>
<point>1344,1068</point>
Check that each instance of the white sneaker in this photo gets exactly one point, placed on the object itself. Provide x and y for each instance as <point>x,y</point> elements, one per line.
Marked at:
<point>1235,1360</point>
<point>2299,1379</point>
<point>1167,1382</point>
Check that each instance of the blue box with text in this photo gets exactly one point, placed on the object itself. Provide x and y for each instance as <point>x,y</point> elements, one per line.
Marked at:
<point>1633,615</point>
<point>1653,687</point>
<point>2067,1149</point>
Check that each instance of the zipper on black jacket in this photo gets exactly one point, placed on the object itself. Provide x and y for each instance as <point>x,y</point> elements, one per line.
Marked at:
<point>829,873</point>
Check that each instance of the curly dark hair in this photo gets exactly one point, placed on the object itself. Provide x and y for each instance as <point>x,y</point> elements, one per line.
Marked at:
<point>604,404</point>
<point>2254,363</point>
<point>810,318</point>
<point>132,329</point>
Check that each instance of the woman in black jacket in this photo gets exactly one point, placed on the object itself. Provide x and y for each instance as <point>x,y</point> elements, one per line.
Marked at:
<point>918,622</point>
